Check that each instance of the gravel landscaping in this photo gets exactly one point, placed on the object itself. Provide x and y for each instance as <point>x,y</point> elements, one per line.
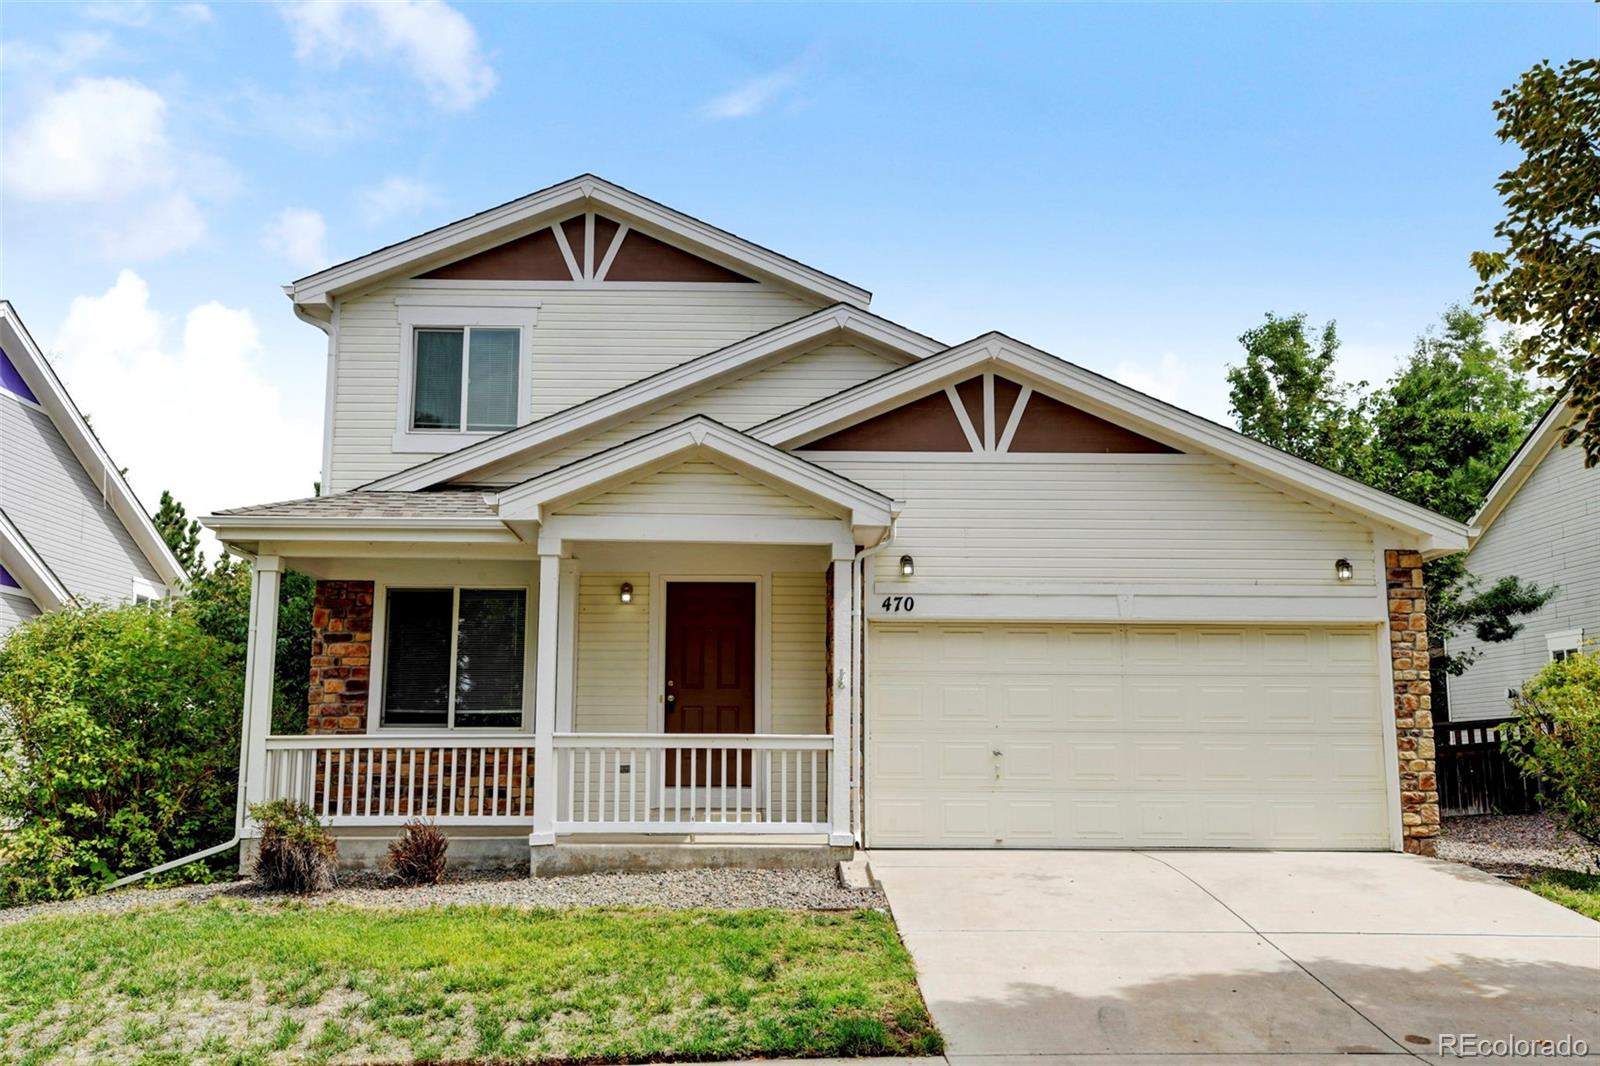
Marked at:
<point>675,890</point>
<point>1513,845</point>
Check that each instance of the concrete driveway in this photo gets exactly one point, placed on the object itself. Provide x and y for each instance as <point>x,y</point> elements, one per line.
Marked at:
<point>1108,957</point>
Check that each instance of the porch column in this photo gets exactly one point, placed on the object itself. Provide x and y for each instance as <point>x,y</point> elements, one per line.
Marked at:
<point>843,698</point>
<point>261,652</point>
<point>544,702</point>
<point>567,645</point>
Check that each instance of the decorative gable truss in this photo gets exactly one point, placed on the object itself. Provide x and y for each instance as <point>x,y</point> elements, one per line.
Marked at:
<point>588,247</point>
<point>987,413</point>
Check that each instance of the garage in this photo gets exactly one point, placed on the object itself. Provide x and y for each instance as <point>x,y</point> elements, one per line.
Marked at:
<point>990,735</point>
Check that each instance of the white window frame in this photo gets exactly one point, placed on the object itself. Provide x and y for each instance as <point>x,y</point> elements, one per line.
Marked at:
<point>1568,641</point>
<point>380,659</point>
<point>463,312</point>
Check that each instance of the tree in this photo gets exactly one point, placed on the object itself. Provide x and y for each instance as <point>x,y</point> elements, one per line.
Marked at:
<point>1558,741</point>
<point>1287,395</point>
<point>1547,275</point>
<point>180,532</point>
<point>220,601</point>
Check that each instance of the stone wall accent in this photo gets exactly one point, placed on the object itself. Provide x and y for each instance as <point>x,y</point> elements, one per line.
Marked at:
<point>341,657</point>
<point>1413,701</point>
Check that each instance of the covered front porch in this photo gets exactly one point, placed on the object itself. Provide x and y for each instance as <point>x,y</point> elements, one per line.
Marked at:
<point>578,662</point>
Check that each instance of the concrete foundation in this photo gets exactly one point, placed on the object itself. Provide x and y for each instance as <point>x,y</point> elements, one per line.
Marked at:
<point>564,859</point>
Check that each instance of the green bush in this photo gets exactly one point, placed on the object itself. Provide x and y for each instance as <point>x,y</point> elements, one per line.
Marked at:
<point>297,853</point>
<point>1556,738</point>
<point>119,745</point>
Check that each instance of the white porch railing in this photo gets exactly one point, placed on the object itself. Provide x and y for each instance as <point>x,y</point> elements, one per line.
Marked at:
<point>692,783</point>
<point>390,779</point>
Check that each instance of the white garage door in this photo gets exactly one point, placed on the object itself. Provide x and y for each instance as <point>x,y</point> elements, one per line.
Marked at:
<point>998,735</point>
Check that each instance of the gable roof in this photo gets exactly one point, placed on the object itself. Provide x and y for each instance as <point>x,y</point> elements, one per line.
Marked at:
<point>584,192</point>
<point>1522,464</point>
<point>40,377</point>
<point>694,436</point>
<point>1437,535</point>
<point>699,373</point>
<point>29,568</point>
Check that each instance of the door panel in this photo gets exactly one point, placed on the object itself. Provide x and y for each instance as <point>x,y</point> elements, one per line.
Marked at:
<point>710,666</point>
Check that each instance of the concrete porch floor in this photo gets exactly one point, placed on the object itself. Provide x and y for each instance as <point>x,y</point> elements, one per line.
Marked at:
<point>1118,957</point>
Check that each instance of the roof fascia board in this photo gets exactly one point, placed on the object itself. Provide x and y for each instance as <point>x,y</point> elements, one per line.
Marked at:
<point>1521,466</point>
<point>29,567</point>
<point>1159,420</point>
<point>489,225</point>
<point>86,447</point>
<point>698,434</point>
<point>697,374</point>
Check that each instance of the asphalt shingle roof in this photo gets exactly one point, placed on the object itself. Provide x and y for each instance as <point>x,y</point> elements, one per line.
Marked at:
<point>447,503</point>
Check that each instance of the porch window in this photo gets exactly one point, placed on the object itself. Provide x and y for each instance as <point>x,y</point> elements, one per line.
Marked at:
<point>454,657</point>
<point>465,378</point>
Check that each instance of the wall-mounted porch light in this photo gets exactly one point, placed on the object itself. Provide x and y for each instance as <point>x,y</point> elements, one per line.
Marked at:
<point>1343,570</point>
<point>908,566</point>
<point>625,593</point>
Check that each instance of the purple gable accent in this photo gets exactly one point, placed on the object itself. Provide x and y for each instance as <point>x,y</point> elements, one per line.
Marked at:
<point>7,580</point>
<point>12,381</point>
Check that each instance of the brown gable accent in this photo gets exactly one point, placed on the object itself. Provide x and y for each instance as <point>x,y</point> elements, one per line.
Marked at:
<point>971,393</point>
<point>1006,392</point>
<point>573,228</point>
<point>925,425</point>
<point>535,257</point>
<point>643,258</point>
<point>604,230</point>
<point>1051,426</point>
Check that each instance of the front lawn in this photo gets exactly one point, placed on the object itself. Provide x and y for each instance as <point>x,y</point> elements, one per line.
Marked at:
<point>232,982</point>
<point>1580,892</point>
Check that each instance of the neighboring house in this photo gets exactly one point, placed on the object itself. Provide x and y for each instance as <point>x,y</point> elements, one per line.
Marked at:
<point>1540,523</point>
<point>70,528</point>
<point>639,528</point>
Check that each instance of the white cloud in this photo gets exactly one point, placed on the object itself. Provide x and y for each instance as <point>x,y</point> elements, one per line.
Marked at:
<point>158,228</point>
<point>1173,380</point>
<point>426,38</point>
<point>195,416</point>
<point>394,197</point>
<point>25,61</point>
<point>751,98</point>
<point>299,235</point>
<point>138,14</point>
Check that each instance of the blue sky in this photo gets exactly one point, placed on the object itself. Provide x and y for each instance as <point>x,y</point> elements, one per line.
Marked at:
<point>1129,187</point>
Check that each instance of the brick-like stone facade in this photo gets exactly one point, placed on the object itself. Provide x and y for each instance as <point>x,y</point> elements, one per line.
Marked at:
<point>341,657</point>
<point>1413,701</point>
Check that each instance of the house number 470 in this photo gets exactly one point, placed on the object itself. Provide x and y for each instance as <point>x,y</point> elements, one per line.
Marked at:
<point>905,604</point>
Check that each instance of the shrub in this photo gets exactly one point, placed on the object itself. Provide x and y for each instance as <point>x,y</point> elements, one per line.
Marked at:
<point>1557,739</point>
<point>297,854</point>
<point>417,857</point>
<point>119,746</point>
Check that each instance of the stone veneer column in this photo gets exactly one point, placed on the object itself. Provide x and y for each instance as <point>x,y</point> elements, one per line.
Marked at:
<point>341,657</point>
<point>1413,701</point>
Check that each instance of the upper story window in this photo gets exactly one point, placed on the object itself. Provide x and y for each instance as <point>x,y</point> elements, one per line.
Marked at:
<point>1562,645</point>
<point>465,378</point>
<point>465,368</point>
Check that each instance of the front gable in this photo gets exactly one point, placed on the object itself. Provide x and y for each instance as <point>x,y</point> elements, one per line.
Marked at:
<point>701,487</point>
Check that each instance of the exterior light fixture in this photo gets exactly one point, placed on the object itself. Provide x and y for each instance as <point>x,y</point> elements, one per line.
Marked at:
<point>1343,570</point>
<point>625,593</point>
<point>907,566</point>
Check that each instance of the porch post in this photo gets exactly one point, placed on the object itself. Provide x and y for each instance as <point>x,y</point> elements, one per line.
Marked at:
<point>544,702</point>
<point>261,652</point>
<point>843,682</point>
<point>567,645</point>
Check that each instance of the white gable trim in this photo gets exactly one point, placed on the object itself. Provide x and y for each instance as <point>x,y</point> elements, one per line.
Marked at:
<point>1127,407</point>
<point>695,375</point>
<point>29,568</point>
<point>1529,455</point>
<point>69,422</point>
<point>585,192</point>
<point>536,499</point>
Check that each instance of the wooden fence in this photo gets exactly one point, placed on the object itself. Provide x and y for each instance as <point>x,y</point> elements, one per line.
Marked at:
<point>1475,777</point>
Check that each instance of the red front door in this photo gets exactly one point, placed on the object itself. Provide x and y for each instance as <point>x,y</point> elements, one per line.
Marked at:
<point>711,666</point>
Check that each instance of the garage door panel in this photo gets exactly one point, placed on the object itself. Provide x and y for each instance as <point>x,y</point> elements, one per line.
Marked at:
<point>1125,736</point>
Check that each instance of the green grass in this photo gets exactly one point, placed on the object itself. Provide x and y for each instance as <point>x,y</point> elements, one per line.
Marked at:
<point>236,983</point>
<point>1580,892</point>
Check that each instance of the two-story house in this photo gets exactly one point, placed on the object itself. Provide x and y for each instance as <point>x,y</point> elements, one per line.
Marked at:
<point>639,531</point>
<point>71,529</point>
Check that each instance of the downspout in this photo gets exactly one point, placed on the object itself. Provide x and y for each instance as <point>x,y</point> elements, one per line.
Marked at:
<point>858,665</point>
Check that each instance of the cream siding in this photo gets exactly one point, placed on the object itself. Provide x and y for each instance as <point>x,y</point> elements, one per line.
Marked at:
<point>57,506</point>
<point>1027,525</point>
<point>799,652</point>
<point>15,608</point>
<point>747,401</point>
<point>1548,534</point>
<point>613,668</point>
<point>696,488</point>
<point>587,341</point>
